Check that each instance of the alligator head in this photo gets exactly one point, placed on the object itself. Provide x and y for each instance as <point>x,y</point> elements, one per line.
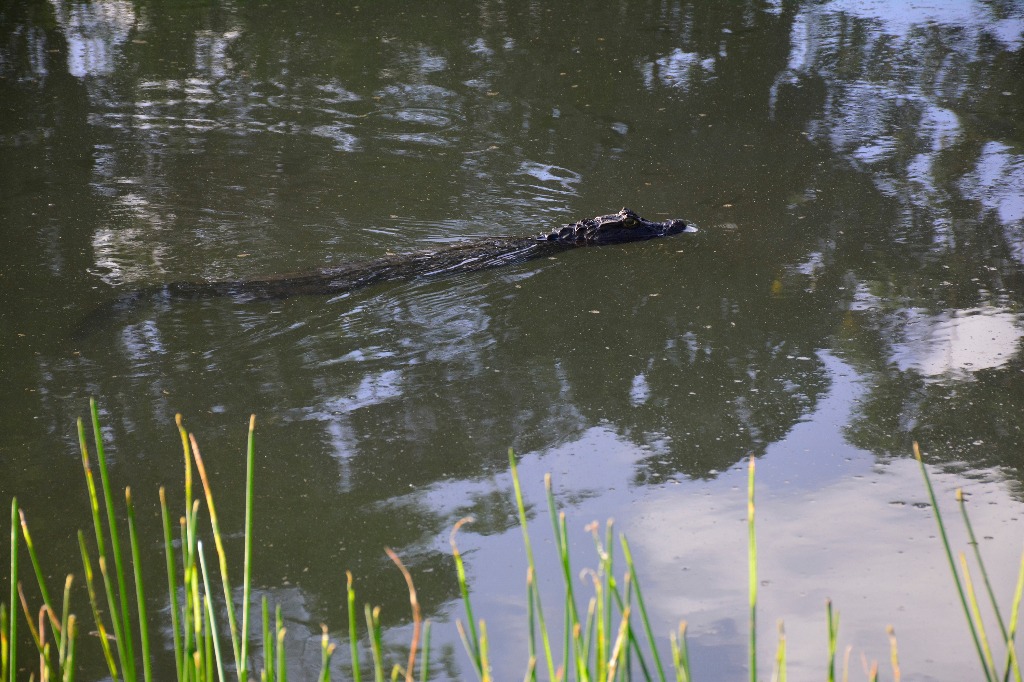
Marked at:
<point>624,226</point>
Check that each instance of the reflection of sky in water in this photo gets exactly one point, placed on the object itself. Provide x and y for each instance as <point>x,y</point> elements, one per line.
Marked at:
<point>902,18</point>
<point>678,69</point>
<point>955,343</point>
<point>832,524</point>
<point>867,542</point>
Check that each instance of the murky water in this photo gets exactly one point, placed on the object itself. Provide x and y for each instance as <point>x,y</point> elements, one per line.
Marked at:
<point>857,171</point>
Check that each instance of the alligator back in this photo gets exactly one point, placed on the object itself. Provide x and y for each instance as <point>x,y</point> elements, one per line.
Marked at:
<point>470,256</point>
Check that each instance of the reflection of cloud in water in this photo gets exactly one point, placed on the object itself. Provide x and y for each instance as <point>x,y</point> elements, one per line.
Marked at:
<point>871,549</point>
<point>554,174</point>
<point>678,69</point>
<point>334,413</point>
<point>902,18</point>
<point>954,344</point>
<point>997,181</point>
<point>554,184</point>
<point>344,141</point>
<point>125,249</point>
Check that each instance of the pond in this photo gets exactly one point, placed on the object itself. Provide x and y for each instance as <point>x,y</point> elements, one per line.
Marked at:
<point>856,171</point>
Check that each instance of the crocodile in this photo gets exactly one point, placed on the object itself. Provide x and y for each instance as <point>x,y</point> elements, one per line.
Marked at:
<point>469,256</point>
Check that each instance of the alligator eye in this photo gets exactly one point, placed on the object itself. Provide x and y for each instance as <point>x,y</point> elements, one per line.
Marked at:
<point>629,221</point>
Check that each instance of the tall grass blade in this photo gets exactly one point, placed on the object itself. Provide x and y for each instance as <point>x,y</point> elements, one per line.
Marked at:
<point>485,659</point>
<point>952,564</point>
<point>326,651</point>
<point>192,615</point>
<point>147,666</point>
<point>373,626</point>
<point>353,634</point>
<point>32,630</point>
<point>973,542</point>
<point>425,658</point>
<point>65,628</point>
<point>680,654</point>
<point>211,621</point>
<point>40,580</point>
<point>780,655</point>
<point>250,459</point>
<point>593,613</point>
<point>268,645</point>
<point>417,618</point>
<point>976,612</point>
<point>282,667</point>
<point>128,659</point>
<point>1011,653</point>
<point>12,624</point>
<point>472,641</point>
<point>222,556</point>
<point>70,633</point>
<point>187,455</point>
<point>832,620</point>
<point>172,586</point>
<point>623,604</point>
<point>108,655</point>
<point>607,591</point>
<point>531,623</point>
<point>121,638</point>
<point>115,621</point>
<point>894,655</point>
<point>562,544</point>
<point>461,629</point>
<point>4,644</point>
<point>752,562</point>
<point>539,611</point>
<point>531,670</point>
<point>631,567</point>
<point>620,638</point>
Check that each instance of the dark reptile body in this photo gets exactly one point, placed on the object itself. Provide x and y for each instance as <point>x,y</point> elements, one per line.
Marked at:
<point>617,228</point>
<point>470,256</point>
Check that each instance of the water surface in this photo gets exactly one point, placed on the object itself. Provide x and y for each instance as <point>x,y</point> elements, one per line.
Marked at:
<point>857,172</point>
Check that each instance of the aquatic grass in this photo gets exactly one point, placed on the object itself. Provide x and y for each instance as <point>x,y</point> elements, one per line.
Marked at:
<point>964,584</point>
<point>752,570</point>
<point>780,655</point>
<point>681,656</point>
<point>11,649</point>
<point>470,640</point>
<point>127,647</point>
<point>612,638</point>
<point>894,655</point>
<point>353,635</point>
<point>196,643</point>
<point>832,621</point>
<point>417,618</point>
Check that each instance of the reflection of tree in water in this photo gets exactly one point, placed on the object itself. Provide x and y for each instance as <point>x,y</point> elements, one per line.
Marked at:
<point>923,105</point>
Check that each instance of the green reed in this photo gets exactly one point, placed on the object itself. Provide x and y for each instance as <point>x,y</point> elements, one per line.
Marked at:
<point>116,592</point>
<point>965,588</point>
<point>611,639</point>
<point>602,645</point>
